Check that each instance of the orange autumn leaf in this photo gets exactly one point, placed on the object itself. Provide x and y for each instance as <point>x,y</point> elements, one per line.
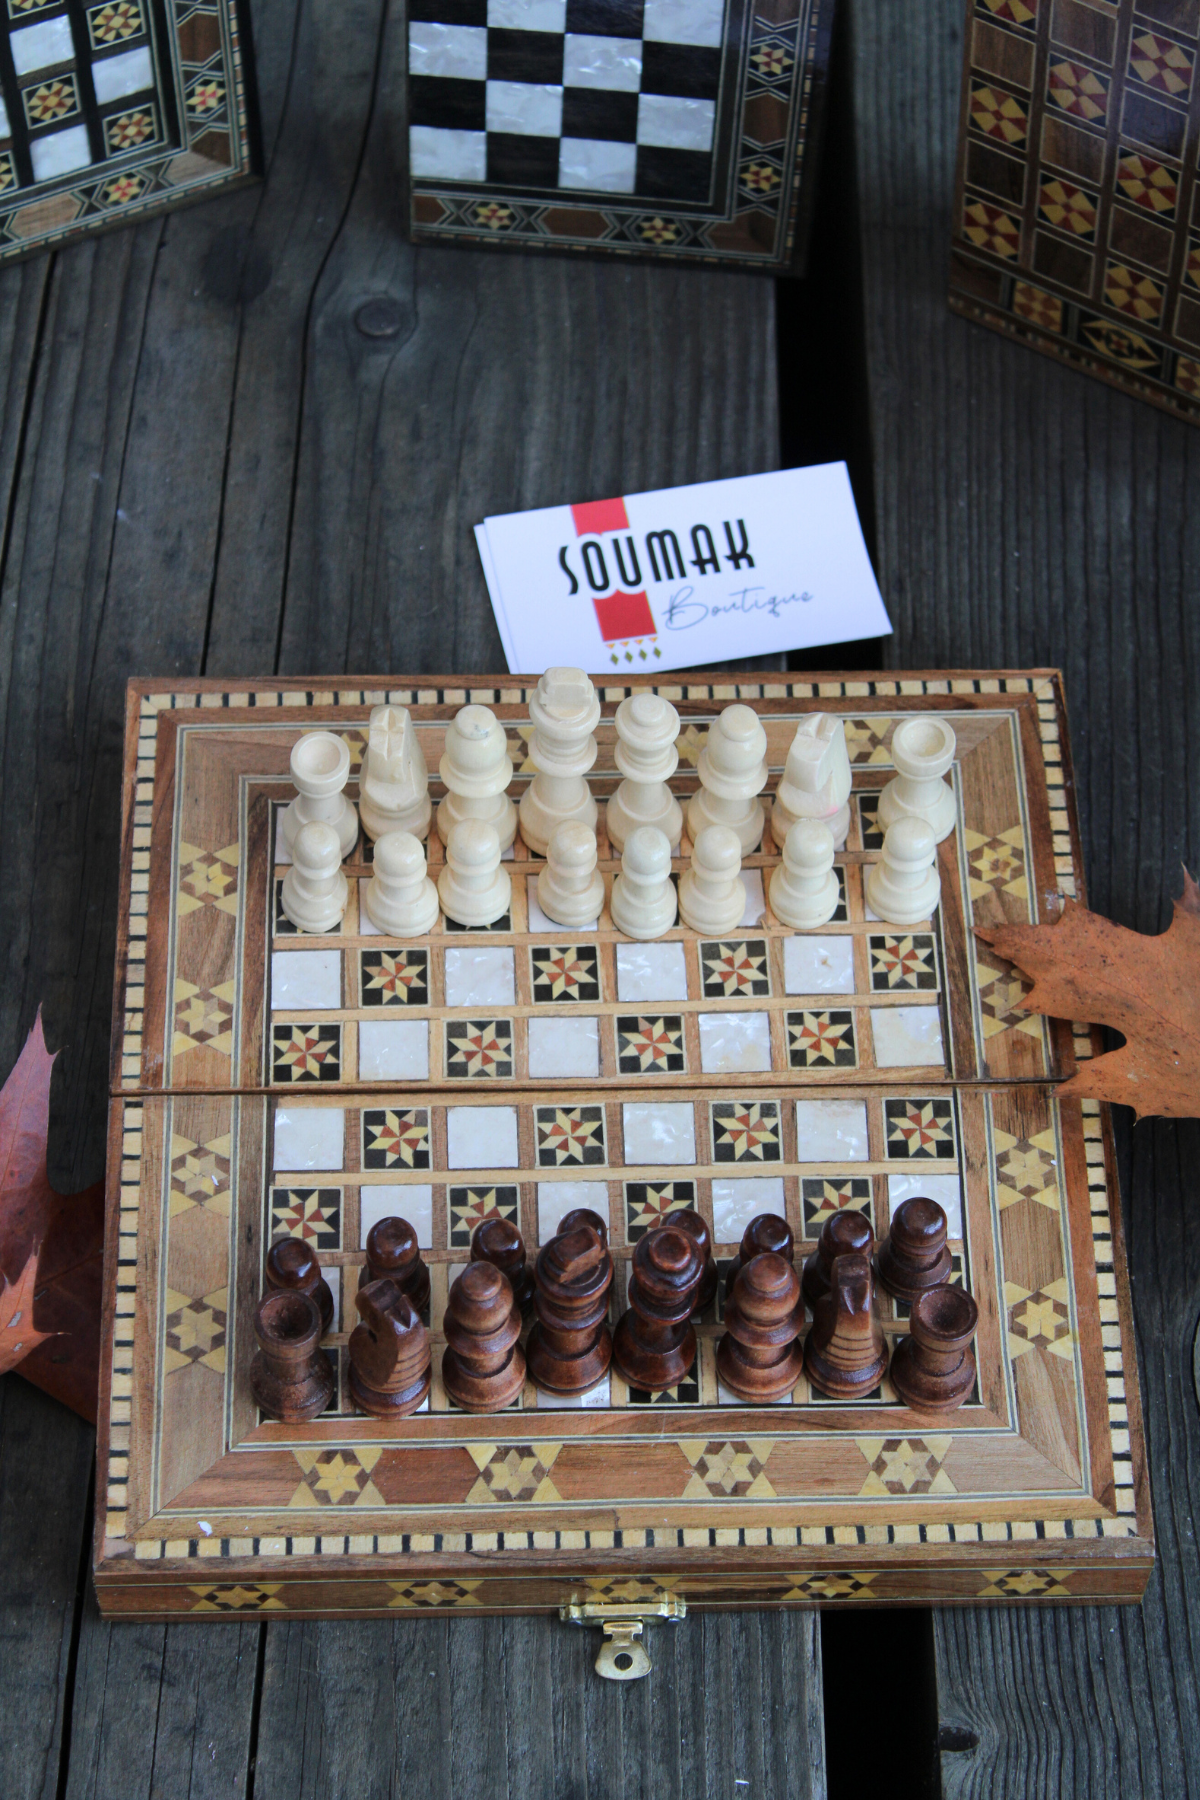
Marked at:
<point>1147,988</point>
<point>18,1335</point>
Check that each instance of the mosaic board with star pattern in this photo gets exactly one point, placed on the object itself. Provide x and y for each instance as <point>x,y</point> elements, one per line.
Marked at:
<point>1077,210</point>
<point>270,1083</point>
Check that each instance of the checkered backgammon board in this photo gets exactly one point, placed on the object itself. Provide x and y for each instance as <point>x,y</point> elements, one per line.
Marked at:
<point>267,1082</point>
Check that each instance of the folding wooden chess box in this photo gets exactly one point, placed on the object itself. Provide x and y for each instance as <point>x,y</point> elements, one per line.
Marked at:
<point>265,1083</point>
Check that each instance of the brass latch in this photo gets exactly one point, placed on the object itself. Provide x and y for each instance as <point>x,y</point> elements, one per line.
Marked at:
<point>623,1655</point>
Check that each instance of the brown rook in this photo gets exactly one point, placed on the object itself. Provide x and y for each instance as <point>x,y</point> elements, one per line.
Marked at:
<point>654,1345</point>
<point>293,1266</point>
<point>689,1220</point>
<point>842,1235</point>
<point>390,1361</point>
<point>290,1376</point>
<point>499,1242</point>
<point>846,1354</point>
<point>933,1369</point>
<point>570,1346</point>
<point>913,1256</point>
<point>393,1253</point>
<point>759,1358</point>
<point>765,1235</point>
<point>483,1365</point>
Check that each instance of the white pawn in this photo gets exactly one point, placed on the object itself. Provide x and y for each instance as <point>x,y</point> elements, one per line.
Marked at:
<point>473,888</point>
<point>711,896</point>
<point>400,898</point>
<point>904,887</point>
<point>732,773</point>
<point>922,750</point>
<point>393,789</point>
<point>320,770</point>
<point>804,888</point>
<point>477,769</point>
<point>570,889</point>
<point>816,780</point>
<point>315,891</point>
<point>565,712</point>
<point>644,901</point>
<point>647,727</point>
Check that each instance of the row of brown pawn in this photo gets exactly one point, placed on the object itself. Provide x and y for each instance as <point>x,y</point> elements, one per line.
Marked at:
<point>760,1357</point>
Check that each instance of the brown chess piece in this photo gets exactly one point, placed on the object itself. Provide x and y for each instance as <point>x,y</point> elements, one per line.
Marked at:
<point>654,1344</point>
<point>767,1234</point>
<point>933,1368</point>
<point>694,1224</point>
<point>842,1235</point>
<point>914,1256</point>
<point>390,1362</point>
<point>570,1346</point>
<point>583,1215</point>
<point>498,1241</point>
<point>394,1254</point>
<point>846,1354</point>
<point>291,1264</point>
<point>483,1365</point>
<point>760,1358</point>
<point>290,1376</point>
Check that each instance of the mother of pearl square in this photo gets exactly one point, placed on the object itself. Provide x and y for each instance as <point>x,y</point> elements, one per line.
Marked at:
<point>564,1047</point>
<point>651,972</point>
<point>907,1035</point>
<point>309,1137</point>
<point>600,1395</point>
<point>306,979</point>
<point>818,965</point>
<point>557,1198</point>
<point>831,1131</point>
<point>480,975</point>
<point>737,1201</point>
<point>945,1189</point>
<point>657,1131</point>
<point>756,905</point>
<point>735,1043</point>
<point>393,1049</point>
<point>397,1200</point>
<point>482,1137</point>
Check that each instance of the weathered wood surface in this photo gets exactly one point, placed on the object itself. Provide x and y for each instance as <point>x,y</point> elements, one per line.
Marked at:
<point>1025,513</point>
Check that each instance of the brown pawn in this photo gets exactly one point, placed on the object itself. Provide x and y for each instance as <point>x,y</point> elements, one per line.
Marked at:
<point>933,1368</point>
<point>498,1241</point>
<point>390,1362</point>
<point>690,1220</point>
<point>913,1256</point>
<point>768,1234</point>
<point>759,1358</point>
<point>570,1346</point>
<point>393,1254</point>
<point>846,1354</point>
<point>583,1215</point>
<point>483,1365</point>
<point>290,1376</point>
<point>292,1265</point>
<point>842,1235</point>
<point>654,1345</point>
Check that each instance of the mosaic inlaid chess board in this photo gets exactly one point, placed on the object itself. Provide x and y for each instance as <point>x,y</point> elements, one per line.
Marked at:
<point>1077,221</point>
<point>269,1083</point>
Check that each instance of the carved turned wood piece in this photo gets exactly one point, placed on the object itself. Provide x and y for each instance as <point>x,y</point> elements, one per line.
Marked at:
<point>654,1345</point>
<point>692,1222</point>
<point>759,1358</point>
<point>768,1234</point>
<point>292,1266</point>
<point>291,1378</point>
<point>914,1255</point>
<point>933,1368</point>
<point>391,1365</point>
<point>393,1252</point>
<point>583,1215</point>
<point>499,1242</point>
<point>570,1346</point>
<point>843,1234</point>
<point>483,1365</point>
<point>846,1354</point>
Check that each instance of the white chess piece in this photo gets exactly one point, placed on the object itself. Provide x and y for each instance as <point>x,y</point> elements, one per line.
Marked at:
<point>732,773</point>
<point>647,727</point>
<point>711,896</point>
<point>320,770</point>
<point>393,788</point>
<point>570,889</point>
<point>804,888</point>
<point>473,888</point>
<point>816,780</point>
<point>565,712</point>
<point>644,901</point>
<point>922,750</point>
<point>400,898</point>
<point>477,769</point>
<point>904,887</point>
<point>315,891</point>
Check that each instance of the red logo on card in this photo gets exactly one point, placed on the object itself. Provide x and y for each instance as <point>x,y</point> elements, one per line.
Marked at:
<point>624,616</point>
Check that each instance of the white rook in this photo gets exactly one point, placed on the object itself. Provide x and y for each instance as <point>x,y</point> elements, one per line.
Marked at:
<point>320,769</point>
<point>922,750</point>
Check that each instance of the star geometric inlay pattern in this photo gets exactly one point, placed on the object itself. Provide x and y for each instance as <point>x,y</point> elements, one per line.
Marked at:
<point>1161,63</point>
<point>647,1204</point>
<point>203,1016</point>
<point>237,1596</point>
<point>439,1594</point>
<point>1040,1320</point>
<point>194,1331</point>
<point>1128,348</point>
<point>1068,207</point>
<point>394,977</point>
<point>479,1048</point>
<point>1001,990</point>
<point>1078,90</point>
<point>991,228</point>
<point>338,1477</point>
<point>1042,309</point>
<point>1026,1169</point>
<point>306,1052</point>
<point>908,961</point>
<point>650,1046</point>
<point>997,114</point>
<point>728,1471</point>
<point>823,1195</point>
<point>112,23</point>
<point>906,1466</point>
<point>821,1040</point>
<point>470,1206</point>
<point>565,972</point>
<point>920,1128</point>
<point>52,100</point>
<point>207,878</point>
<point>313,1214</point>
<point>513,1473</point>
<point>1150,184</point>
<point>1017,12</point>
<point>129,130</point>
<point>841,1585</point>
<point>1129,291</point>
<point>868,819</point>
<point>870,740</point>
<point>746,1131</point>
<point>997,863</point>
<point>392,1136</point>
<point>569,1134</point>
<point>199,1175</point>
<point>1021,1584</point>
<point>686,1393</point>
<point>734,970</point>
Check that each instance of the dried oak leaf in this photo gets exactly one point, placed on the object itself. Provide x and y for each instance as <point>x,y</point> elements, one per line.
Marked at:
<point>18,1334</point>
<point>1147,988</point>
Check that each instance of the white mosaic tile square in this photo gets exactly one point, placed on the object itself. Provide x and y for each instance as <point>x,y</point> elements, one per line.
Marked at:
<point>393,1049</point>
<point>945,1189</point>
<point>564,1047</point>
<point>600,1395</point>
<point>538,920</point>
<point>735,1043</point>
<point>651,972</point>
<point>304,979</point>
<point>480,975</point>
<point>557,1198</point>
<point>818,965</point>
<point>738,1201</point>
<point>481,1137</point>
<point>907,1035</point>
<point>756,904</point>
<point>659,1132</point>
<point>397,1200</point>
<point>831,1131</point>
<point>726,1398</point>
<point>309,1137</point>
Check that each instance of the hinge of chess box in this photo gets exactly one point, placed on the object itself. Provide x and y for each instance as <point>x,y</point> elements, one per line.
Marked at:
<point>623,1655</point>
